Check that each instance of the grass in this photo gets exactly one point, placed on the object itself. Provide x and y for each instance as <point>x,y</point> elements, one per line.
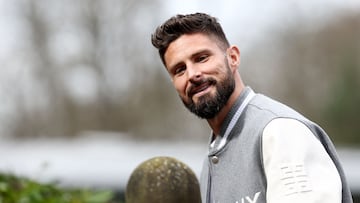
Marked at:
<point>15,189</point>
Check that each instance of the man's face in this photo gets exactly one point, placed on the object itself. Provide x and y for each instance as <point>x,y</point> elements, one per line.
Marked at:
<point>200,73</point>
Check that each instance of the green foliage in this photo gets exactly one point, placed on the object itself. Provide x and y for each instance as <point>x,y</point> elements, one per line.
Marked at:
<point>22,190</point>
<point>342,110</point>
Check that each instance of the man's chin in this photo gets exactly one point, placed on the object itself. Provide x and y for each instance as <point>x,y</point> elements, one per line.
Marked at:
<point>203,109</point>
<point>199,99</point>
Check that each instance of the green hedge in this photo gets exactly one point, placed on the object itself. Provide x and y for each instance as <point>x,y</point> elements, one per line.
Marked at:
<point>15,189</point>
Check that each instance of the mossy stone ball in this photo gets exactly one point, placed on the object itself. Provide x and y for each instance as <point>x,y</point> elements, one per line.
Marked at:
<point>163,180</point>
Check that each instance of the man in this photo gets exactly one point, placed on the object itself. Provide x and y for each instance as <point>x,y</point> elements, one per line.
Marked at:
<point>260,150</point>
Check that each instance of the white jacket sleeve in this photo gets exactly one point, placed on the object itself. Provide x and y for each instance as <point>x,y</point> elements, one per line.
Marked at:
<point>297,167</point>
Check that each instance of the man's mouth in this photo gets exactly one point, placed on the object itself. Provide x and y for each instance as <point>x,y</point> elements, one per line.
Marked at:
<point>199,89</point>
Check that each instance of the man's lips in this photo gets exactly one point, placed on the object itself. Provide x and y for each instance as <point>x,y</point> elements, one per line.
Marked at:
<point>194,89</point>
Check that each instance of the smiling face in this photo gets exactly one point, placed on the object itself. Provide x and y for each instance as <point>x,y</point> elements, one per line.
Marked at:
<point>200,72</point>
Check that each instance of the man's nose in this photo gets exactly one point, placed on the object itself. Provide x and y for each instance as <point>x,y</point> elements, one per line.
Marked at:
<point>194,73</point>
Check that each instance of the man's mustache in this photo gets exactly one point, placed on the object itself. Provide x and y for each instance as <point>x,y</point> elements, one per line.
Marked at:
<point>199,85</point>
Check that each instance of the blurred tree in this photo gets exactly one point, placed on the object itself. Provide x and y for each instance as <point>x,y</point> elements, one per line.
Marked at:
<point>316,69</point>
<point>93,65</point>
<point>342,110</point>
<point>89,65</point>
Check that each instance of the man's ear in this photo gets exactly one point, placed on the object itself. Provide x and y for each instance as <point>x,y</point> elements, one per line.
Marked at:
<point>233,55</point>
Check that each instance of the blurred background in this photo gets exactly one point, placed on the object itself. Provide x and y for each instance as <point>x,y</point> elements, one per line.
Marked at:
<point>85,98</point>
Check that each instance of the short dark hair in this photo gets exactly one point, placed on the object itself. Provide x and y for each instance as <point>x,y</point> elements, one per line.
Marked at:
<point>179,25</point>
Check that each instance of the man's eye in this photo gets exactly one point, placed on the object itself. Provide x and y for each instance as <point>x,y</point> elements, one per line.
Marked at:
<point>202,58</point>
<point>179,70</point>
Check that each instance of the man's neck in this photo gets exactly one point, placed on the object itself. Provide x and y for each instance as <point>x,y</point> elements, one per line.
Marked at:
<point>216,122</point>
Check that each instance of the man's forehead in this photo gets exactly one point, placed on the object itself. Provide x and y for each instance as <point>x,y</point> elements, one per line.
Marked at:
<point>194,36</point>
<point>188,45</point>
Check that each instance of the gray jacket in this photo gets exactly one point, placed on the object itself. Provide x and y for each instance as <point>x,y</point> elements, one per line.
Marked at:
<point>267,152</point>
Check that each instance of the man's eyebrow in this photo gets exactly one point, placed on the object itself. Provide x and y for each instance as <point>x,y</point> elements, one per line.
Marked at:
<point>194,55</point>
<point>201,51</point>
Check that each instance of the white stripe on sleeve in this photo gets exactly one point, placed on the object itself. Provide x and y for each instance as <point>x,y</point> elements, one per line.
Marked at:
<point>297,167</point>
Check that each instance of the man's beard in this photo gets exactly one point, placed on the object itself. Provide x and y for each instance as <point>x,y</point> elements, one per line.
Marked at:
<point>208,106</point>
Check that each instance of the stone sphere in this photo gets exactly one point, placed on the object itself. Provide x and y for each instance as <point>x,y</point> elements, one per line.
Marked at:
<point>162,180</point>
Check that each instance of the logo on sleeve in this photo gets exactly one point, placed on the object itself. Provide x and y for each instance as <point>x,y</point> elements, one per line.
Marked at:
<point>295,179</point>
